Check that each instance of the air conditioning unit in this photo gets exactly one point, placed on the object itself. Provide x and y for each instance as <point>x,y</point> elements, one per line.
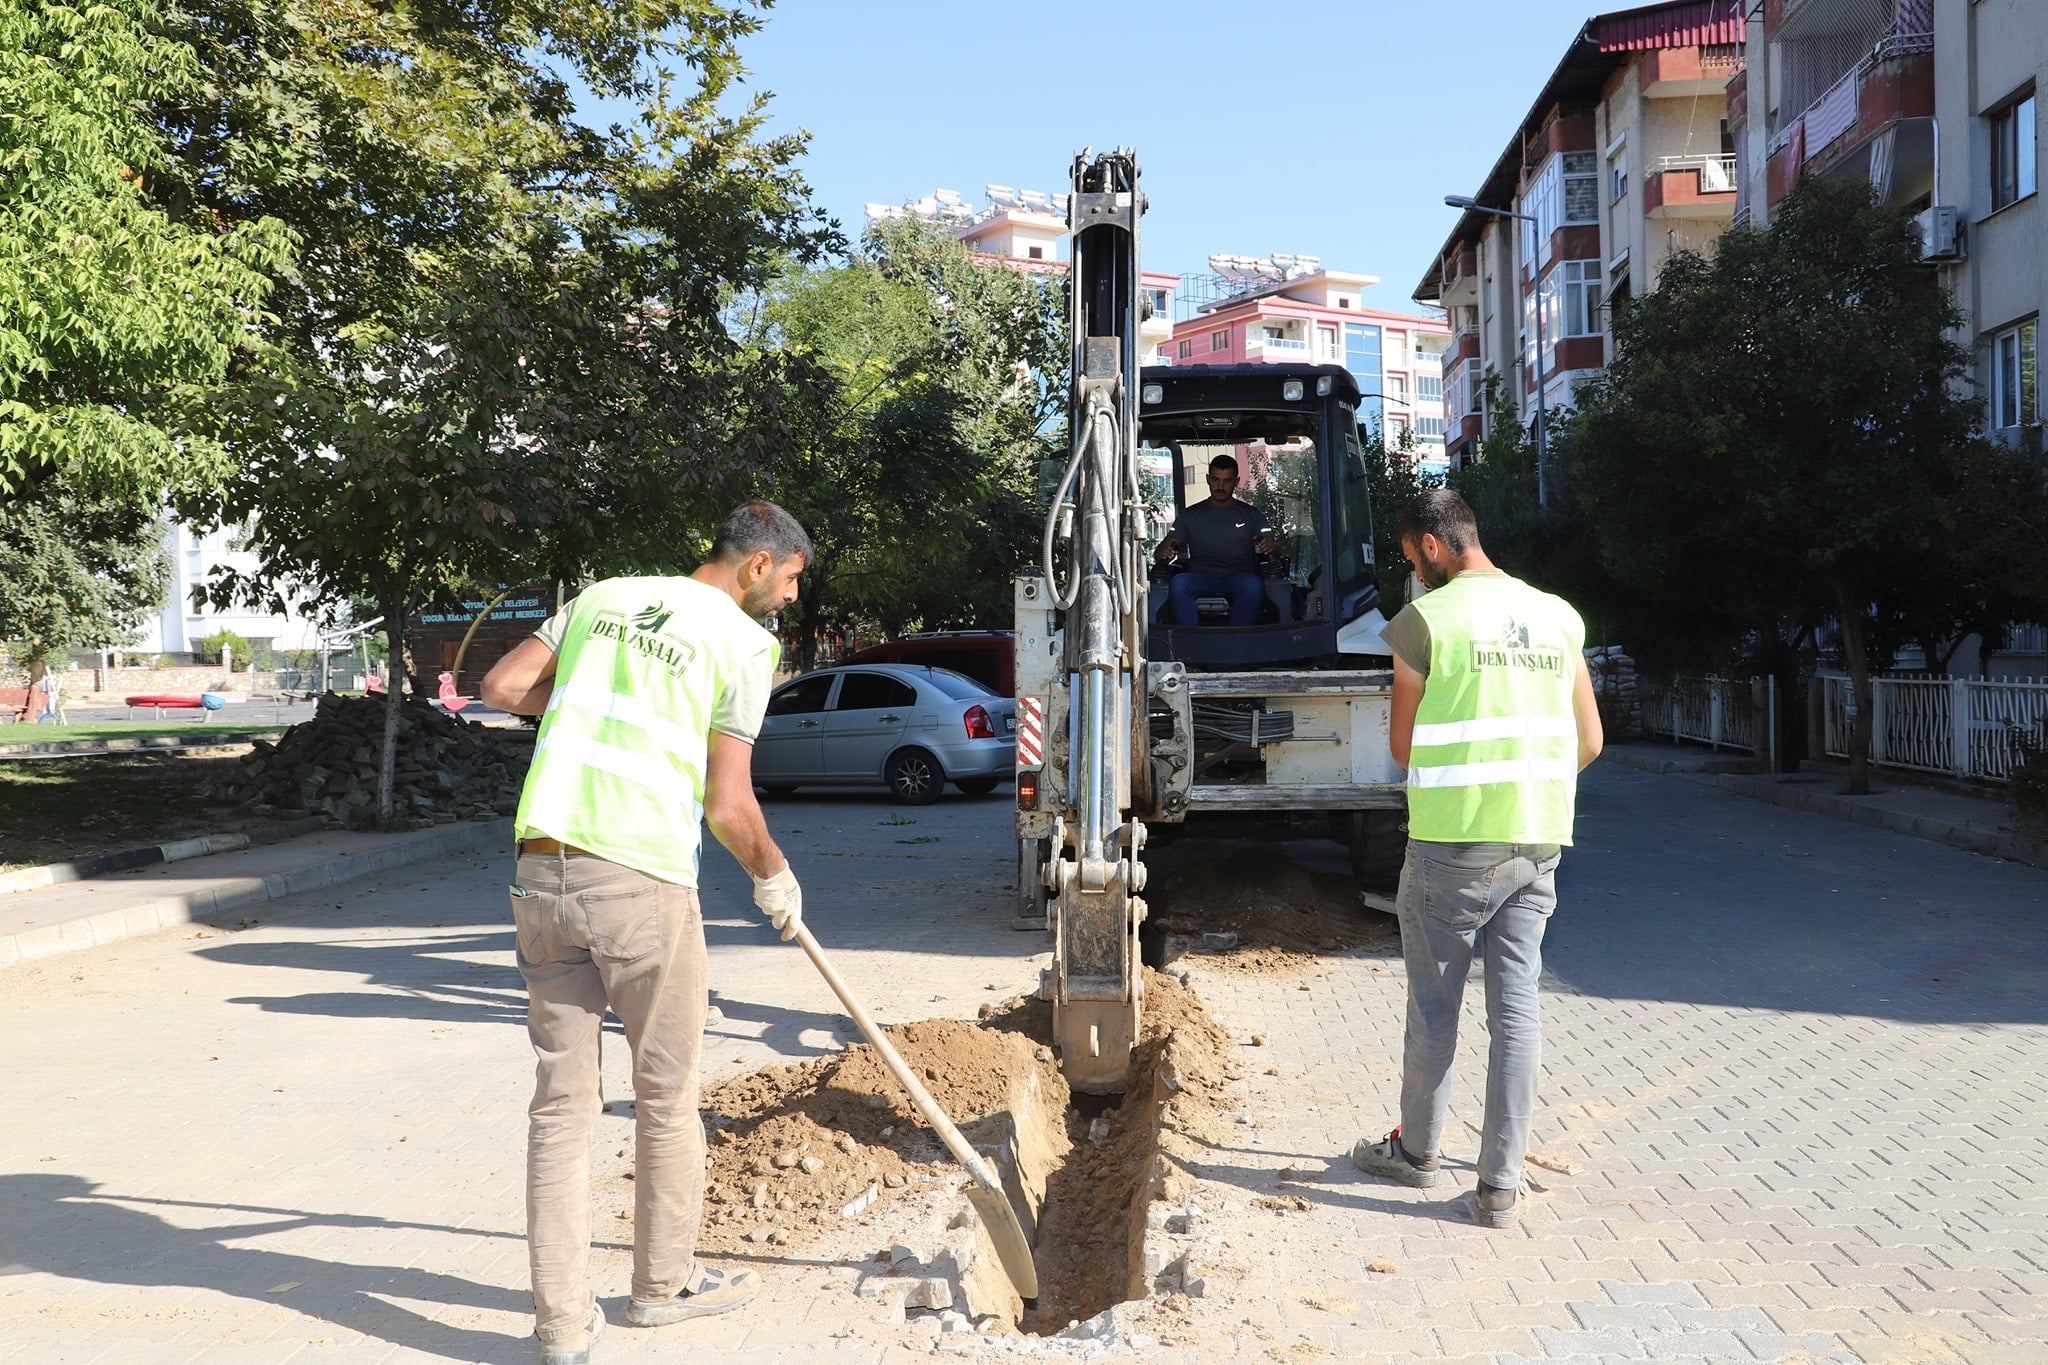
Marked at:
<point>1939,238</point>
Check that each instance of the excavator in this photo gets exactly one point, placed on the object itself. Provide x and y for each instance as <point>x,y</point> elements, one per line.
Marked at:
<point>1126,721</point>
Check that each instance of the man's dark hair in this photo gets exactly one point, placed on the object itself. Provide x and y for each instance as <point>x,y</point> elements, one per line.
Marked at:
<point>757,526</point>
<point>1228,462</point>
<point>1441,513</point>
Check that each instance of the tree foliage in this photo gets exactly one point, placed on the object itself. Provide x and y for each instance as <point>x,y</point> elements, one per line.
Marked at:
<point>932,387</point>
<point>1783,428</point>
<point>109,305</point>
<point>498,355</point>
<point>77,572</point>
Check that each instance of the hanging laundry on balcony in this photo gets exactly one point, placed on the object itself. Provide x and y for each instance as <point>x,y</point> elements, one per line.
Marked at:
<point>1833,114</point>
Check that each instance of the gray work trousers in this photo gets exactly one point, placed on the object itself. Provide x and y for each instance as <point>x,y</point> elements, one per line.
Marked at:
<point>1455,901</point>
<point>592,934</point>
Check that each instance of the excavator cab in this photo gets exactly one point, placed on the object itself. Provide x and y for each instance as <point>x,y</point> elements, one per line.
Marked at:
<point>1293,431</point>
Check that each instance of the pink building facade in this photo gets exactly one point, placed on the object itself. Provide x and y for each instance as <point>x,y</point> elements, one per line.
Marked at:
<point>1294,310</point>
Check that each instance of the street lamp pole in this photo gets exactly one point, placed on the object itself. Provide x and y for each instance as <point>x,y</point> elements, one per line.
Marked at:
<point>1465,201</point>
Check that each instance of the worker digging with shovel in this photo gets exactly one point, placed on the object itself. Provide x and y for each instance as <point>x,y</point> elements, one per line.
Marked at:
<point>651,691</point>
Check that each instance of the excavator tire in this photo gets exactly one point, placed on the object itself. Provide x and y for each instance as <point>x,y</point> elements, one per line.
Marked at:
<point>1378,840</point>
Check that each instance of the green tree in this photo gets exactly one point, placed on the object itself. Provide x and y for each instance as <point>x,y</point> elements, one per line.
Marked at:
<point>77,572</point>
<point>1394,480</point>
<point>498,355</point>
<point>1778,423</point>
<point>932,387</point>
<point>109,306</point>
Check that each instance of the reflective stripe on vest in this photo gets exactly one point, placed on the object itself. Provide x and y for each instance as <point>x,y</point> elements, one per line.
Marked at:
<point>619,765</point>
<point>1494,754</point>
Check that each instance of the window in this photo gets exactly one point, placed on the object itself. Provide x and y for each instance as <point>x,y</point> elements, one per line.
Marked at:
<point>801,697</point>
<point>1581,188</point>
<point>1343,303</point>
<point>874,692</point>
<point>1326,344</point>
<point>1429,387</point>
<point>1397,386</point>
<point>2015,377</point>
<point>1187,348</point>
<point>1397,348</point>
<point>1220,340</point>
<point>1276,333</point>
<point>1159,302</point>
<point>1581,299</point>
<point>1430,428</point>
<point>2014,171</point>
<point>1617,176</point>
<point>1036,253</point>
<point>1397,427</point>
<point>1565,192</point>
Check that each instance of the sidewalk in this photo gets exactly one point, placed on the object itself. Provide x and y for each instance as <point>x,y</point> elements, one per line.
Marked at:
<point>1976,824</point>
<point>104,909</point>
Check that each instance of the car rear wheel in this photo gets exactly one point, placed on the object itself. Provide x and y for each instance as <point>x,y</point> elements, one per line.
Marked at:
<point>977,786</point>
<point>915,777</point>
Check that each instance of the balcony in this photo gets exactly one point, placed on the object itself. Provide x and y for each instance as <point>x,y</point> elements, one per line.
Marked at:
<point>1691,187</point>
<point>1892,83</point>
<point>1278,348</point>
<point>1689,72</point>
<point>1464,346</point>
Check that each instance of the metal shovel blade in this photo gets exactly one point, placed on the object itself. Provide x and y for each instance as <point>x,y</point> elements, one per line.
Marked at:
<point>990,1200</point>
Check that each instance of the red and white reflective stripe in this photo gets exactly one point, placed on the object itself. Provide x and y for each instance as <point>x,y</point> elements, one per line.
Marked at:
<point>1030,732</point>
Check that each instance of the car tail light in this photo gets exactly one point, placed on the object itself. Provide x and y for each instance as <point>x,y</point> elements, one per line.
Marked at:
<point>1027,791</point>
<point>978,726</point>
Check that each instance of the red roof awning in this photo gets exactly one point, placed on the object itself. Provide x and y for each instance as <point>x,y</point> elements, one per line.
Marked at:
<point>1689,23</point>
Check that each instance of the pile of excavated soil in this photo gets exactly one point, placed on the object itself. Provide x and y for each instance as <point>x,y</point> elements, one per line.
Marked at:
<point>1285,916</point>
<point>794,1147</point>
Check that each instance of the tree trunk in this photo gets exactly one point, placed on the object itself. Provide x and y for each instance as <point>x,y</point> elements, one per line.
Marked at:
<point>1856,654</point>
<point>394,698</point>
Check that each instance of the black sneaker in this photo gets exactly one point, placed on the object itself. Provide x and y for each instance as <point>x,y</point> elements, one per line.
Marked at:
<point>1387,1157</point>
<point>1494,1208</point>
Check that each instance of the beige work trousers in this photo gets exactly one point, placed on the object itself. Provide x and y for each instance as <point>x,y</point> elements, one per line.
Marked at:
<point>592,934</point>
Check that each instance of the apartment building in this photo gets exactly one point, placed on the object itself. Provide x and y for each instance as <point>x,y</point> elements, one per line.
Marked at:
<point>1627,155</point>
<point>1936,103</point>
<point>1291,308</point>
<point>1027,230</point>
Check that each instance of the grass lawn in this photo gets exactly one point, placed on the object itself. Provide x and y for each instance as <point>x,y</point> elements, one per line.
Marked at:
<point>190,731</point>
<point>56,809</point>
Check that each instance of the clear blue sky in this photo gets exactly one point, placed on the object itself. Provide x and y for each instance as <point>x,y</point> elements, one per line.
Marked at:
<point>1333,129</point>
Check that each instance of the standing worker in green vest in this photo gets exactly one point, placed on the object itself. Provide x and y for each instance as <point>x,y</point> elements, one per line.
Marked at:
<point>651,691</point>
<point>1494,717</point>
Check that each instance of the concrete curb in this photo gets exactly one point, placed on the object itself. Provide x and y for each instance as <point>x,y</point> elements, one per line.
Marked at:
<point>2012,847</point>
<point>152,744</point>
<point>53,874</point>
<point>227,895</point>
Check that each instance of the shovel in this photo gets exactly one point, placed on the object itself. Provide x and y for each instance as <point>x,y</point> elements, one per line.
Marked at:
<point>1013,1248</point>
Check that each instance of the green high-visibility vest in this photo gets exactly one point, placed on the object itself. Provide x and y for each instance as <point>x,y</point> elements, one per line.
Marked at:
<point>618,766</point>
<point>1495,755</point>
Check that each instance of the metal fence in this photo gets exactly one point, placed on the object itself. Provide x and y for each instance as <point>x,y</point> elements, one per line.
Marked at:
<point>1962,727</point>
<point>1722,713</point>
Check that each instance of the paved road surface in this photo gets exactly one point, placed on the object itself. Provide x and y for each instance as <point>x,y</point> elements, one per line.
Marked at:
<point>1797,1060</point>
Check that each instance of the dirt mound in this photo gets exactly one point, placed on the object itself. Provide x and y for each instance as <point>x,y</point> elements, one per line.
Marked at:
<point>1284,915</point>
<point>793,1148</point>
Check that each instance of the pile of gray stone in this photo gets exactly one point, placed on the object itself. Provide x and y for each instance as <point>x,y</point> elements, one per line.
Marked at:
<point>1614,687</point>
<point>448,769</point>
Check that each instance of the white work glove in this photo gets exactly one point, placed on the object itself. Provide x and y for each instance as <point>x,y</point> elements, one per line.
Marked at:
<point>781,900</point>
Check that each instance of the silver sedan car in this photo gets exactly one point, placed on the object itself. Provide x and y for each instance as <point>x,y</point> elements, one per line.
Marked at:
<point>908,727</point>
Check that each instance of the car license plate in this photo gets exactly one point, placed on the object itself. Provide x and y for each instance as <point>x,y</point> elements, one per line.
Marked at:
<point>1009,722</point>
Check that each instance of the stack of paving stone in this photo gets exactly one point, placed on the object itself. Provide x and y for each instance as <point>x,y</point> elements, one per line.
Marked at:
<point>447,769</point>
<point>1614,687</point>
